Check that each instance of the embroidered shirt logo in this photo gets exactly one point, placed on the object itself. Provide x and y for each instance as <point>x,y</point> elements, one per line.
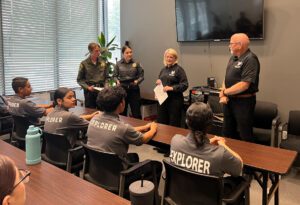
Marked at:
<point>134,65</point>
<point>239,64</point>
<point>172,73</point>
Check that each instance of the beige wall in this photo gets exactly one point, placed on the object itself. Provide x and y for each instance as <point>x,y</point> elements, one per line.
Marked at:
<point>150,27</point>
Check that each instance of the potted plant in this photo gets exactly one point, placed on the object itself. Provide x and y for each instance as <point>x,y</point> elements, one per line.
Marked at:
<point>106,54</point>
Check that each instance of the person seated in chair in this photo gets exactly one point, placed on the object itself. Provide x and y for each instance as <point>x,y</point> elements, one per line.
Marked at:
<point>106,132</point>
<point>200,154</point>
<point>6,123</point>
<point>61,121</point>
<point>19,105</point>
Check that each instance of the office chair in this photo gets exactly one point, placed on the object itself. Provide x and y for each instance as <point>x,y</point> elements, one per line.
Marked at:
<point>58,151</point>
<point>115,174</point>
<point>292,139</point>
<point>21,125</point>
<point>185,187</point>
<point>6,126</point>
<point>265,124</point>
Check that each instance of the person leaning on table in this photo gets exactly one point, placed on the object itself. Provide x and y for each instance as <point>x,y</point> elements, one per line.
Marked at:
<point>174,80</point>
<point>12,182</point>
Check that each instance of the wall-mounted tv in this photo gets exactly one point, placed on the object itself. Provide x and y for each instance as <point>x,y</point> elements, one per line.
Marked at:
<point>217,20</point>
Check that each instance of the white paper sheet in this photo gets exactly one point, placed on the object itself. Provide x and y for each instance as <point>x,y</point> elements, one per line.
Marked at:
<point>98,88</point>
<point>160,94</point>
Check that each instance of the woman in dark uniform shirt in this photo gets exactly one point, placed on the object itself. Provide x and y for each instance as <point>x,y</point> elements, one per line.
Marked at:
<point>130,74</point>
<point>175,82</point>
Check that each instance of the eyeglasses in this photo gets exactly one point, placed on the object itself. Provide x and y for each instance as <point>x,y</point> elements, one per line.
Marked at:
<point>24,177</point>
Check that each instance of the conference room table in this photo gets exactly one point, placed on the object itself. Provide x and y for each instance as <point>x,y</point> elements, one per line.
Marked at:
<point>50,185</point>
<point>271,162</point>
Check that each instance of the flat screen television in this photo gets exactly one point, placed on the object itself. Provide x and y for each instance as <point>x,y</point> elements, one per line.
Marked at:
<point>217,20</point>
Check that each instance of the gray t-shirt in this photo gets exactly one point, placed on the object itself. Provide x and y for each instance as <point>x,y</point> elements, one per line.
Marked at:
<point>207,159</point>
<point>26,108</point>
<point>61,121</point>
<point>106,132</point>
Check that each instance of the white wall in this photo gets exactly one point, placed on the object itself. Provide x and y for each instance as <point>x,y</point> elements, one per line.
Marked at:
<point>150,27</point>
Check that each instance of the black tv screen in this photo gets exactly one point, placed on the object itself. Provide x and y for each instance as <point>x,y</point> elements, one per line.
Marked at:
<point>217,20</point>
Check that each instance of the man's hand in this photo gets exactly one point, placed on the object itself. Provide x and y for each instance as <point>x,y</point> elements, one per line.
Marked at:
<point>158,82</point>
<point>217,140</point>
<point>223,100</point>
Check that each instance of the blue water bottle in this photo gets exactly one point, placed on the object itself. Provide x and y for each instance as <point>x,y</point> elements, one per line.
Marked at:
<point>33,145</point>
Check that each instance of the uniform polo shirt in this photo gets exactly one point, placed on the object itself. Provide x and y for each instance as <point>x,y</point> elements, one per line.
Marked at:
<point>106,132</point>
<point>207,159</point>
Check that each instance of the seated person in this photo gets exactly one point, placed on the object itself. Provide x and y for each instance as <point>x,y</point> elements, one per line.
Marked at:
<point>6,123</point>
<point>214,155</point>
<point>19,105</point>
<point>106,132</point>
<point>61,121</point>
<point>12,189</point>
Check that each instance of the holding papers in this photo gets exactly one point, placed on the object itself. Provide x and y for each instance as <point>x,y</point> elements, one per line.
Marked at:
<point>160,94</point>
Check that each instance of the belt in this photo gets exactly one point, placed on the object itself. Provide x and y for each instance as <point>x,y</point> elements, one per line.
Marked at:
<point>243,95</point>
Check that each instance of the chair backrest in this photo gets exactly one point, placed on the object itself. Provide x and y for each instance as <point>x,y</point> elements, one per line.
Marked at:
<point>102,168</point>
<point>186,187</point>
<point>21,125</point>
<point>6,124</point>
<point>264,114</point>
<point>294,122</point>
<point>56,149</point>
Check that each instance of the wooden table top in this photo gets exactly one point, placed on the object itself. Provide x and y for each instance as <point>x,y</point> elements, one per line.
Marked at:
<point>50,185</point>
<point>261,157</point>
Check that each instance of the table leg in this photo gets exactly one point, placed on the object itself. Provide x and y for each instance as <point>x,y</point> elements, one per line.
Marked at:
<point>276,197</point>
<point>265,188</point>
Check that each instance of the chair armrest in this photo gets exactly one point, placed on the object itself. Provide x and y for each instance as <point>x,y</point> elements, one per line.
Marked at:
<point>282,127</point>
<point>233,196</point>
<point>70,156</point>
<point>135,167</point>
<point>274,131</point>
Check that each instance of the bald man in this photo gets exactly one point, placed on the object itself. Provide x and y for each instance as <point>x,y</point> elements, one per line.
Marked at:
<point>238,94</point>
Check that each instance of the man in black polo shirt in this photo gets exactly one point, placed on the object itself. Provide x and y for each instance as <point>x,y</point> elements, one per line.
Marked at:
<point>239,89</point>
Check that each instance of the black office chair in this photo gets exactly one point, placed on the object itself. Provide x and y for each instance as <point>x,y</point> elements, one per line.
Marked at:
<point>111,172</point>
<point>21,125</point>
<point>58,151</point>
<point>266,123</point>
<point>292,139</point>
<point>184,187</point>
<point>6,126</point>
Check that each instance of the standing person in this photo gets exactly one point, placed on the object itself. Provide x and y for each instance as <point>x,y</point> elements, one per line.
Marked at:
<point>175,82</point>
<point>20,105</point>
<point>238,94</point>
<point>130,74</point>
<point>61,121</point>
<point>215,156</point>
<point>12,182</point>
<point>91,74</point>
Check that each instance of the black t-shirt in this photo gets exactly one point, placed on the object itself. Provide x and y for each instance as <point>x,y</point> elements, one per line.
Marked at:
<point>246,68</point>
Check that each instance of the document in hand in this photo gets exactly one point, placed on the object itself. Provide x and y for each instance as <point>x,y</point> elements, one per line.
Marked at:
<point>98,88</point>
<point>160,94</point>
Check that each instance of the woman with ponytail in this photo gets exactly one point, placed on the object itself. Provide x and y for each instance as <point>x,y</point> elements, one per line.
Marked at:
<point>197,152</point>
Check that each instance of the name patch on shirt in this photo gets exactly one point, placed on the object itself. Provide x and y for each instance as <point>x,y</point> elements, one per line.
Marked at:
<point>190,162</point>
<point>13,104</point>
<point>103,125</point>
<point>54,119</point>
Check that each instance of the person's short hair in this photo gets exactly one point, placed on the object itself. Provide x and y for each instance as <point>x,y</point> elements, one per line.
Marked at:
<point>7,176</point>
<point>19,82</point>
<point>110,98</point>
<point>173,52</point>
<point>92,46</point>
<point>60,93</point>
